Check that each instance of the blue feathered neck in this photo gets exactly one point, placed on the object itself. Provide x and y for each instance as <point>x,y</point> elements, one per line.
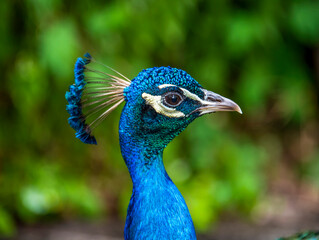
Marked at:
<point>157,209</point>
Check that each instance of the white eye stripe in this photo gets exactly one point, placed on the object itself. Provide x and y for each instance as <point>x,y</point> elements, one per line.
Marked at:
<point>166,85</point>
<point>191,95</point>
<point>159,107</point>
<point>186,93</point>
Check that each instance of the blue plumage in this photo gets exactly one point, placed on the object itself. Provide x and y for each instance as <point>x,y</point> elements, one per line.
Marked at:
<point>157,210</point>
<point>159,104</point>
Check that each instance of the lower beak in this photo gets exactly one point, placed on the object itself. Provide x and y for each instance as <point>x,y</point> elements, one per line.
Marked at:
<point>216,103</point>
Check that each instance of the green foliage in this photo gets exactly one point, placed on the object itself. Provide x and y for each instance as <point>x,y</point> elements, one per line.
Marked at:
<point>7,226</point>
<point>262,54</point>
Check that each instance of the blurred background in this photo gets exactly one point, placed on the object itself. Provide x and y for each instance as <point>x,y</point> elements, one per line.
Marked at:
<point>259,170</point>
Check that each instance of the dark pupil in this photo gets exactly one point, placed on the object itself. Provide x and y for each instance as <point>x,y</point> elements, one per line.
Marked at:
<point>173,99</point>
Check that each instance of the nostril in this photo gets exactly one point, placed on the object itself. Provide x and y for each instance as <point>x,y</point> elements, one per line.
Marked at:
<point>214,99</point>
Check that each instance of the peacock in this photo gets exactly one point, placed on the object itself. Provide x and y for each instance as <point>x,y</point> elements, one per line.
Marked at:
<point>160,102</point>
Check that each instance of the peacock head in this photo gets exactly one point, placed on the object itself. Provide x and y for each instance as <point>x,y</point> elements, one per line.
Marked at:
<point>160,102</point>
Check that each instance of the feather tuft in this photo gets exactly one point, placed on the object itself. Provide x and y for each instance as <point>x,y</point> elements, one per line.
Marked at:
<point>92,97</point>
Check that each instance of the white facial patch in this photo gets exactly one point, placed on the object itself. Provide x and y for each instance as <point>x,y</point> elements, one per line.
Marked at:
<point>166,85</point>
<point>159,107</point>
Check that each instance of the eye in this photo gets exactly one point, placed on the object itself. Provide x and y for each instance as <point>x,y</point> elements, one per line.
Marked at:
<point>172,99</point>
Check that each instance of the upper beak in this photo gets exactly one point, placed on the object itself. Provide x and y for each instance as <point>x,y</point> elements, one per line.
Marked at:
<point>214,103</point>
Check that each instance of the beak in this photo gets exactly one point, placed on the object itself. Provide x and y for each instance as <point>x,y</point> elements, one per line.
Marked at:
<point>216,103</point>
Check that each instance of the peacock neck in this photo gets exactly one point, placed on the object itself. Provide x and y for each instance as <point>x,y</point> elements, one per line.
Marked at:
<point>143,163</point>
<point>142,155</point>
<point>157,210</point>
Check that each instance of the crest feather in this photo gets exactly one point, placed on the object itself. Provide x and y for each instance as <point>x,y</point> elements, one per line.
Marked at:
<point>93,96</point>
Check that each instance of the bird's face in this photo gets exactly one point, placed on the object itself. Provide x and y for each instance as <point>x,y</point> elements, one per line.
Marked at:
<point>161,102</point>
